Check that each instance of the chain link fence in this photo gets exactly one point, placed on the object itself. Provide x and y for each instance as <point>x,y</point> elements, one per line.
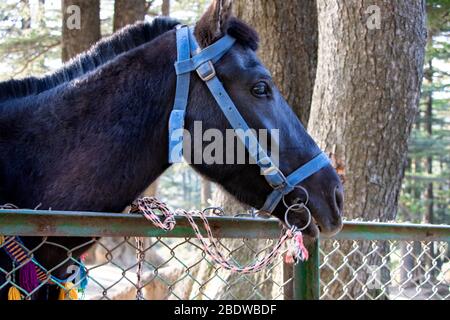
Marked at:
<point>394,270</point>
<point>172,269</point>
<point>363,262</point>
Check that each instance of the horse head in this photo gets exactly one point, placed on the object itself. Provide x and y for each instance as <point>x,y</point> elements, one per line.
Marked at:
<point>251,88</point>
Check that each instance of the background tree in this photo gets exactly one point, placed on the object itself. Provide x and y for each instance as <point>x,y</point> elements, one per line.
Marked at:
<point>77,40</point>
<point>26,14</point>
<point>426,187</point>
<point>365,100</point>
<point>289,40</point>
<point>165,8</point>
<point>188,11</point>
<point>426,191</point>
<point>28,43</point>
<point>41,13</point>
<point>128,12</point>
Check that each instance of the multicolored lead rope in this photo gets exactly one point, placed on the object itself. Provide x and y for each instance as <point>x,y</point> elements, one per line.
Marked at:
<point>150,207</point>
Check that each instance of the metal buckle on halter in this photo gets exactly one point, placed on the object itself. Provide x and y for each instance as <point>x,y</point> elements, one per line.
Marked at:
<point>206,71</point>
<point>273,170</point>
<point>280,186</point>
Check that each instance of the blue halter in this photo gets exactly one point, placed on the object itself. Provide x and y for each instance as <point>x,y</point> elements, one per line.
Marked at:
<point>191,58</point>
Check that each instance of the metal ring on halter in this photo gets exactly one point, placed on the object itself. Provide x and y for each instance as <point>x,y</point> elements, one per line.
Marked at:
<point>298,206</point>
<point>217,211</point>
<point>305,202</point>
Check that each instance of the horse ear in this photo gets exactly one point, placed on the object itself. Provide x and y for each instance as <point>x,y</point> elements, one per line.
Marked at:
<point>212,24</point>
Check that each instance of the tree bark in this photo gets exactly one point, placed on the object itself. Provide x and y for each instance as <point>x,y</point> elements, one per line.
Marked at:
<point>76,40</point>
<point>367,98</point>
<point>289,40</point>
<point>41,13</point>
<point>26,14</point>
<point>151,190</point>
<point>364,105</point>
<point>128,12</point>
<point>206,192</point>
<point>165,8</point>
<point>428,218</point>
<point>429,193</point>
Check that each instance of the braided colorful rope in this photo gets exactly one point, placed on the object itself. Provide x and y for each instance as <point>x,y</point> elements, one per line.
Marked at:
<point>150,207</point>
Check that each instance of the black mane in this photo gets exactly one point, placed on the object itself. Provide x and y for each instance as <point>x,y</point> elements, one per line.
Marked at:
<point>105,50</point>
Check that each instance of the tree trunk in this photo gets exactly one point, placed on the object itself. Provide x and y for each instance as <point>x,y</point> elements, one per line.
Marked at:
<point>81,26</point>
<point>152,190</point>
<point>429,193</point>
<point>206,192</point>
<point>26,14</point>
<point>369,77</point>
<point>128,12</point>
<point>417,192</point>
<point>409,275</point>
<point>289,40</point>
<point>41,13</point>
<point>428,218</point>
<point>165,9</point>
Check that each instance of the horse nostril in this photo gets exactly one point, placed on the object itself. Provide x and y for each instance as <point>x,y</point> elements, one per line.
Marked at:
<point>338,200</point>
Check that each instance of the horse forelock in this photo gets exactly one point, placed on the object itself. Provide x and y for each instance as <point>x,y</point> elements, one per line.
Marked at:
<point>244,34</point>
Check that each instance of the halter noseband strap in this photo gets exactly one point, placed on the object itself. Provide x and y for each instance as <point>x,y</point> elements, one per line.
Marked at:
<point>190,58</point>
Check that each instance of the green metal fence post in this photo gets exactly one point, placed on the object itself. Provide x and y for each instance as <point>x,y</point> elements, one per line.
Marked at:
<point>307,274</point>
<point>288,279</point>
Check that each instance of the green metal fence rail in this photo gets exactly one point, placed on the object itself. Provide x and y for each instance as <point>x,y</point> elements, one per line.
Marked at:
<point>306,276</point>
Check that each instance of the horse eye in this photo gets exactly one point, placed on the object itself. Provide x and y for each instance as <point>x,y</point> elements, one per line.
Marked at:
<point>260,89</point>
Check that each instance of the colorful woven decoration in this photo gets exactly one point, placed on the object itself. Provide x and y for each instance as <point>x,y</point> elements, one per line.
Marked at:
<point>69,292</point>
<point>14,294</point>
<point>32,274</point>
<point>28,277</point>
<point>19,254</point>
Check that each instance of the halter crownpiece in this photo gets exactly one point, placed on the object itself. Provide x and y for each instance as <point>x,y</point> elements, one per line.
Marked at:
<point>191,58</point>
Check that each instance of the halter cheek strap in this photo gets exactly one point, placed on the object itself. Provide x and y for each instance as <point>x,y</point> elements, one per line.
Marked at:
<point>176,121</point>
<point>191,58</point>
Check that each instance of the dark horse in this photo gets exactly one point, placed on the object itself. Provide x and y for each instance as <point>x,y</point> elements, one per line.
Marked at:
<point>94,135</point>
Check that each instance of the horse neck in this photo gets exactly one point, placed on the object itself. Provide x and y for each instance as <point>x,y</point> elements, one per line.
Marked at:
<point>97,142</point>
